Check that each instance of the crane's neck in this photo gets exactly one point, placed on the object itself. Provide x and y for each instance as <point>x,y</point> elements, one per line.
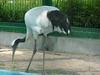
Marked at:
<point>17,41</point>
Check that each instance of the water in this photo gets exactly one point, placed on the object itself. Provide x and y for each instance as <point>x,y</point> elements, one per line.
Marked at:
<point>6,72</point>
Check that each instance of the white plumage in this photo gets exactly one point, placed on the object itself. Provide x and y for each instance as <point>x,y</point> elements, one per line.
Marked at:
<point>37,22</point>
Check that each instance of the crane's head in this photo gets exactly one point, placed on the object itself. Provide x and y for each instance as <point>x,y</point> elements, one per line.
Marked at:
<point>14,46</point>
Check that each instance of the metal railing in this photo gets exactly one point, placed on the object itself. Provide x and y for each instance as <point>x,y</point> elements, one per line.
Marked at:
<point>14,10</point>
<point>82,13</point>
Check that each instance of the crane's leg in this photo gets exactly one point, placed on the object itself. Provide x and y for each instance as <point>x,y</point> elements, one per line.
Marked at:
<point>44,58</point>
<point>44,45</point>
<point>34,51</point>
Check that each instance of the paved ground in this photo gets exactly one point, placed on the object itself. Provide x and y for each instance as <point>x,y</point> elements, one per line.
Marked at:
<point>56,63</point>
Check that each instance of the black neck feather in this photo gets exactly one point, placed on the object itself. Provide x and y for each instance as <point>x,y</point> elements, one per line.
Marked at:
<point>17,41</point>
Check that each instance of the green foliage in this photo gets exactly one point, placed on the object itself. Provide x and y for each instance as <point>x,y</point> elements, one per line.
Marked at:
<point>82,13</point>
<point>14,10</point>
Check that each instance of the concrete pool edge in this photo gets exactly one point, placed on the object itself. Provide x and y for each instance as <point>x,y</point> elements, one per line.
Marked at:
<point>61,44</point>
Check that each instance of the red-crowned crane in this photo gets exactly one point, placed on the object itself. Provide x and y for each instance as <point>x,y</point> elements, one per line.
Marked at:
<point>42,20</point>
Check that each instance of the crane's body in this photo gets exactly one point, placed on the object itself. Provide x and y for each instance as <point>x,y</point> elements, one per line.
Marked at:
<point>42,20</point>
<point>37,22</point>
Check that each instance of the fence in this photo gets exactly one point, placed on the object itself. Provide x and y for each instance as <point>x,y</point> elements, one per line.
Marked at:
<point>82,13</point>
<point>14,10</point>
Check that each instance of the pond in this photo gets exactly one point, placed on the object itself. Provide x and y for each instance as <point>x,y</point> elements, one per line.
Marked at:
<point>7,72</point>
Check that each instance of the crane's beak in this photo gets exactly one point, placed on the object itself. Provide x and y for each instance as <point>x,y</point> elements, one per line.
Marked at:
<point>13,52</point>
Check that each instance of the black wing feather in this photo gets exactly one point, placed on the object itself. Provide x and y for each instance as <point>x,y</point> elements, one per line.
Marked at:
<point>58,19</point>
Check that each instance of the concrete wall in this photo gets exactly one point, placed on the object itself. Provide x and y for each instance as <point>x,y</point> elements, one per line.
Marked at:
<point>64,44</point>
